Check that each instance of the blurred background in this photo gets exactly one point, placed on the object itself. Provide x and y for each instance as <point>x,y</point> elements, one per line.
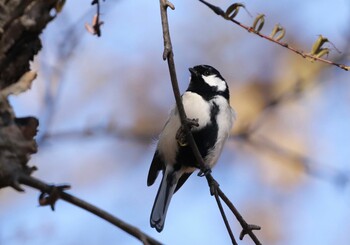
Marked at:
<point>103,101</point>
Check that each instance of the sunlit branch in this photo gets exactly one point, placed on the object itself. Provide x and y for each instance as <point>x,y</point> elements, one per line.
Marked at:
<point>217,10</point>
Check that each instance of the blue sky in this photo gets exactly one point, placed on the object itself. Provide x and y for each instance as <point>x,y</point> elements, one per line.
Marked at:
<point>121,80</point>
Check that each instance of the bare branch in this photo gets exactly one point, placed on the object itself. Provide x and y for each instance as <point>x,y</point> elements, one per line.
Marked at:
<point>18,44</point>
<point>247,228</point>
<point>169,56</point>
<point>57,192</point>
<point>217,198</point>
<point>70,40</point>
<point>20,26</point>
<point>114,132</point>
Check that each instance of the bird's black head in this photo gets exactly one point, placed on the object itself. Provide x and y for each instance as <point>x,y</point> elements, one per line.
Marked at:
<point>207,81</point>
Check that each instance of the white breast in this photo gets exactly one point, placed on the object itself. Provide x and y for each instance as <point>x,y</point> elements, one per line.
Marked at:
<point>196,107</point>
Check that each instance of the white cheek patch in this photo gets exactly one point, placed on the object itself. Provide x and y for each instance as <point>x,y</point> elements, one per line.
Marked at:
<point>215,81</point>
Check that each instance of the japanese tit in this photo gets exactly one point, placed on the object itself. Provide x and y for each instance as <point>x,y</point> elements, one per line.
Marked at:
<point>207,100</point>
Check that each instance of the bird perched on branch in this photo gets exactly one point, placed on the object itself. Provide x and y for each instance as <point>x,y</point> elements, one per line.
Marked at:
<point>206,103</point>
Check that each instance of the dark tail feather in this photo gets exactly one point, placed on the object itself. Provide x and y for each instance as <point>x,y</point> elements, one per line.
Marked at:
<point>181,181</point>
<point>161,204</point>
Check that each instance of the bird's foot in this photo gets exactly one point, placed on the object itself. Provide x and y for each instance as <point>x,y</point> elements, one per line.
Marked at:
<point>204,172</point>
<point>213,185</point>
<point>181,136</point>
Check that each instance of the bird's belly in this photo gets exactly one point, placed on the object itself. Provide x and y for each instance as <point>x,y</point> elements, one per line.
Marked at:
<point>209,136</point>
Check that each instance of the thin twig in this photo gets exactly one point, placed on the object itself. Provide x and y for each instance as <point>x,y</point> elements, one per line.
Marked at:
<point>217,198</point>
<point>71,38</point>
<point>246,228</point>
<point>217,10</point>
<point>48,189</point>
<point>169,56</point>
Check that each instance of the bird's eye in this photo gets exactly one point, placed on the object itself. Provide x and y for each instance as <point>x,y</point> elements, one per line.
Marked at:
<point>206,73</point>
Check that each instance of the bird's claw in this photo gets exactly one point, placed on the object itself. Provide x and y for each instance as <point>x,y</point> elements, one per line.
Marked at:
<point>204,172</point>
<point>194,122</point>
<point>213,185</point>
<point>181,136</point>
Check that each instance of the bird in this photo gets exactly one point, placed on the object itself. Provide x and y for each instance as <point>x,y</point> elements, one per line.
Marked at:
<point>206,103</point>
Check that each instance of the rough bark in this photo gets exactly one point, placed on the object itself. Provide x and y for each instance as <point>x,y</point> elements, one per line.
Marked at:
<point>21,22</point>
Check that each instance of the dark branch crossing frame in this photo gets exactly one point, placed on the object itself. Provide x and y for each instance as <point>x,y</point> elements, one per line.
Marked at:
<point>213,184</point>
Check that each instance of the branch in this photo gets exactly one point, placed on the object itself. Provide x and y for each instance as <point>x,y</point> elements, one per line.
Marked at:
<point>20,27</point>
<point>21,23</point>
<point>16,144</point>
<point>311,56</point>
<point>53,75</point>
<point>51,193</point>
<point>246,228</point>
<point>169,56</point>
<point>109,131</point>
<point>66,45</point>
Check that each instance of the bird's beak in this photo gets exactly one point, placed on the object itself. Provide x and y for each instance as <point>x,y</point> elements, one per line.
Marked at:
<point>193,71</point>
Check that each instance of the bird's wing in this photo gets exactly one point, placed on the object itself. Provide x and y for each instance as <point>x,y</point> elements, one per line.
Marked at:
<point>156,166</point>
